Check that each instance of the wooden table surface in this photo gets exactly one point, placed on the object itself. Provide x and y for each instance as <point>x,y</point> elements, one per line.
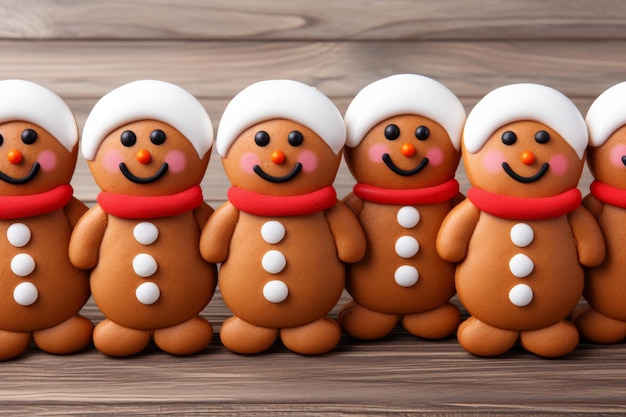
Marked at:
<point>81,49</point>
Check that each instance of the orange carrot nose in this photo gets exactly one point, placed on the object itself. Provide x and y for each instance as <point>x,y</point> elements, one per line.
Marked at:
<point>15,157</point>
<point>143,156</point>
<point>527,157</point>
<point>407,150</point>
<point>277,157</point>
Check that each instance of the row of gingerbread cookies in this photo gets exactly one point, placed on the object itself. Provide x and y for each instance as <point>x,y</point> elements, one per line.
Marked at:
<point>283,240</point>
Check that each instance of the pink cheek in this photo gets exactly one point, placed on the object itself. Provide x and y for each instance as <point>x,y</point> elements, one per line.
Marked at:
<point>616,154</point>
<point>176,161</point>
<point>308,159</point>
<point>492,161</point>
<point>559,164</point>
<point>111,161</point>
<point>376,152</point>
<point>248,161</point>
<point>47,160</point>
<point>435,156</point>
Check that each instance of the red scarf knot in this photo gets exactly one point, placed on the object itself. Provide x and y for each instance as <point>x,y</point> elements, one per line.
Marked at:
<point>429,195</point>
<point>143,207</point>
<point>270,205</point>
<point>18,207</point>
<point>608,194</point>
<point>519,208</point>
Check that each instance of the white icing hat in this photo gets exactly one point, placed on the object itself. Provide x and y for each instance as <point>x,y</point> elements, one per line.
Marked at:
<point>404,94</point>
<point>517,102</point>
<point>148,99</point>
<point>29,102</point>
<point>281,99</point>
<point>606,114</point>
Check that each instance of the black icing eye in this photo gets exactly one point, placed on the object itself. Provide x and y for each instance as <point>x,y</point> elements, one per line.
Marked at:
<point>295,138</point>
<point>542,136</point>
<point>157,137</point>
<point>1,140</point>
<point>261,138</point>
<point>509,138</point>
<point>128,138</point>
<point>29,136</point>
<point>422,133</point>
<point>392,132</point>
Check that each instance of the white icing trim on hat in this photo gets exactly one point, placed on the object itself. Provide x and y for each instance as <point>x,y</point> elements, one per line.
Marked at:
<point>281,99</point>
<point>26,101</point>
<point>525,101</point>
<point>404,94</point>
<point>606,114</point>
<point>148,99</point>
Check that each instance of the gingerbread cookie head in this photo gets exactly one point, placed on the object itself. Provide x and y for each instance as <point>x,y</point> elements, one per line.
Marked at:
<point>524,140</point>
<point>404,131</point>
<point>281,137</point>
<point>606,121</point>
<point>38,138</point>
<point>147,138</point>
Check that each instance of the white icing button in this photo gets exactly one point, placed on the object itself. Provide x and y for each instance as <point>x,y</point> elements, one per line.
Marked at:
<point>407,247</point>
<point>521,265</point>
<point>22,264</point>
<point>18,235</point>
<point>406,276</point>
<point>521,295</point>
<point>275,291</point>
<point>272,232</point>
<point>408,217</point>
<point>522,235</point>
<point>25,294</point>
<point>146,233</point>
<point>273,262</point>
<point>144,265</point>
<point>148,293</point>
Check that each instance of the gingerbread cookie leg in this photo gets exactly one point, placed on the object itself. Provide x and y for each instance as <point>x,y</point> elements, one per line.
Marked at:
<point>597,327</point>
<point>69,336</point>
<point>551,342</point>
<point>314,338</point>
<point>242,337</point>
<point>365,324</point>
<point>482,339</point>
<point>114,340</point>
<point>434,324</point>
<point>186,338</point>
<point>12,343</point>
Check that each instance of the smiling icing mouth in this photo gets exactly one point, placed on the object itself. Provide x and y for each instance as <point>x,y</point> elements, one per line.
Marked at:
<point>277,180</point>
<point>23,180</point>
<point>405,173</point>
<point>143,180</point>
<point>542,171</point>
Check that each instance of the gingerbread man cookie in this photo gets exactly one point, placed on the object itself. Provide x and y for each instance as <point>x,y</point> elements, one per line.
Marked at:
<point>403,148</point>
<point>282,237</point>
<point>604,319</point>
<point>522,236</point>
<point>42,292</point>
<point>147,144</point>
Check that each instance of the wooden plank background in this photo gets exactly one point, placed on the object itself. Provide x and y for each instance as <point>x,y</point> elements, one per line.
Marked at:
<point>82,49</point>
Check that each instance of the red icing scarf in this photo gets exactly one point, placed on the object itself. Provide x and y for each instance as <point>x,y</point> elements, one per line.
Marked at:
<point>431,195</point>
<point>140,207</point>
<point>517,208</point>
<point>17,207</point>
<point>608,194</point>
<point>269,205</point>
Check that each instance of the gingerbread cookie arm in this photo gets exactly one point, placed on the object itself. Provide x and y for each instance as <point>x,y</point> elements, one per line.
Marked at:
<point>593,205</point>
<point>74,210</point>
<point>202,214</point>
<point>349,236</point>
<point>86,238</point>
<point>456,230</point>
<point>588,236</point>
<point>217,233</point>
<point>354,203</point>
